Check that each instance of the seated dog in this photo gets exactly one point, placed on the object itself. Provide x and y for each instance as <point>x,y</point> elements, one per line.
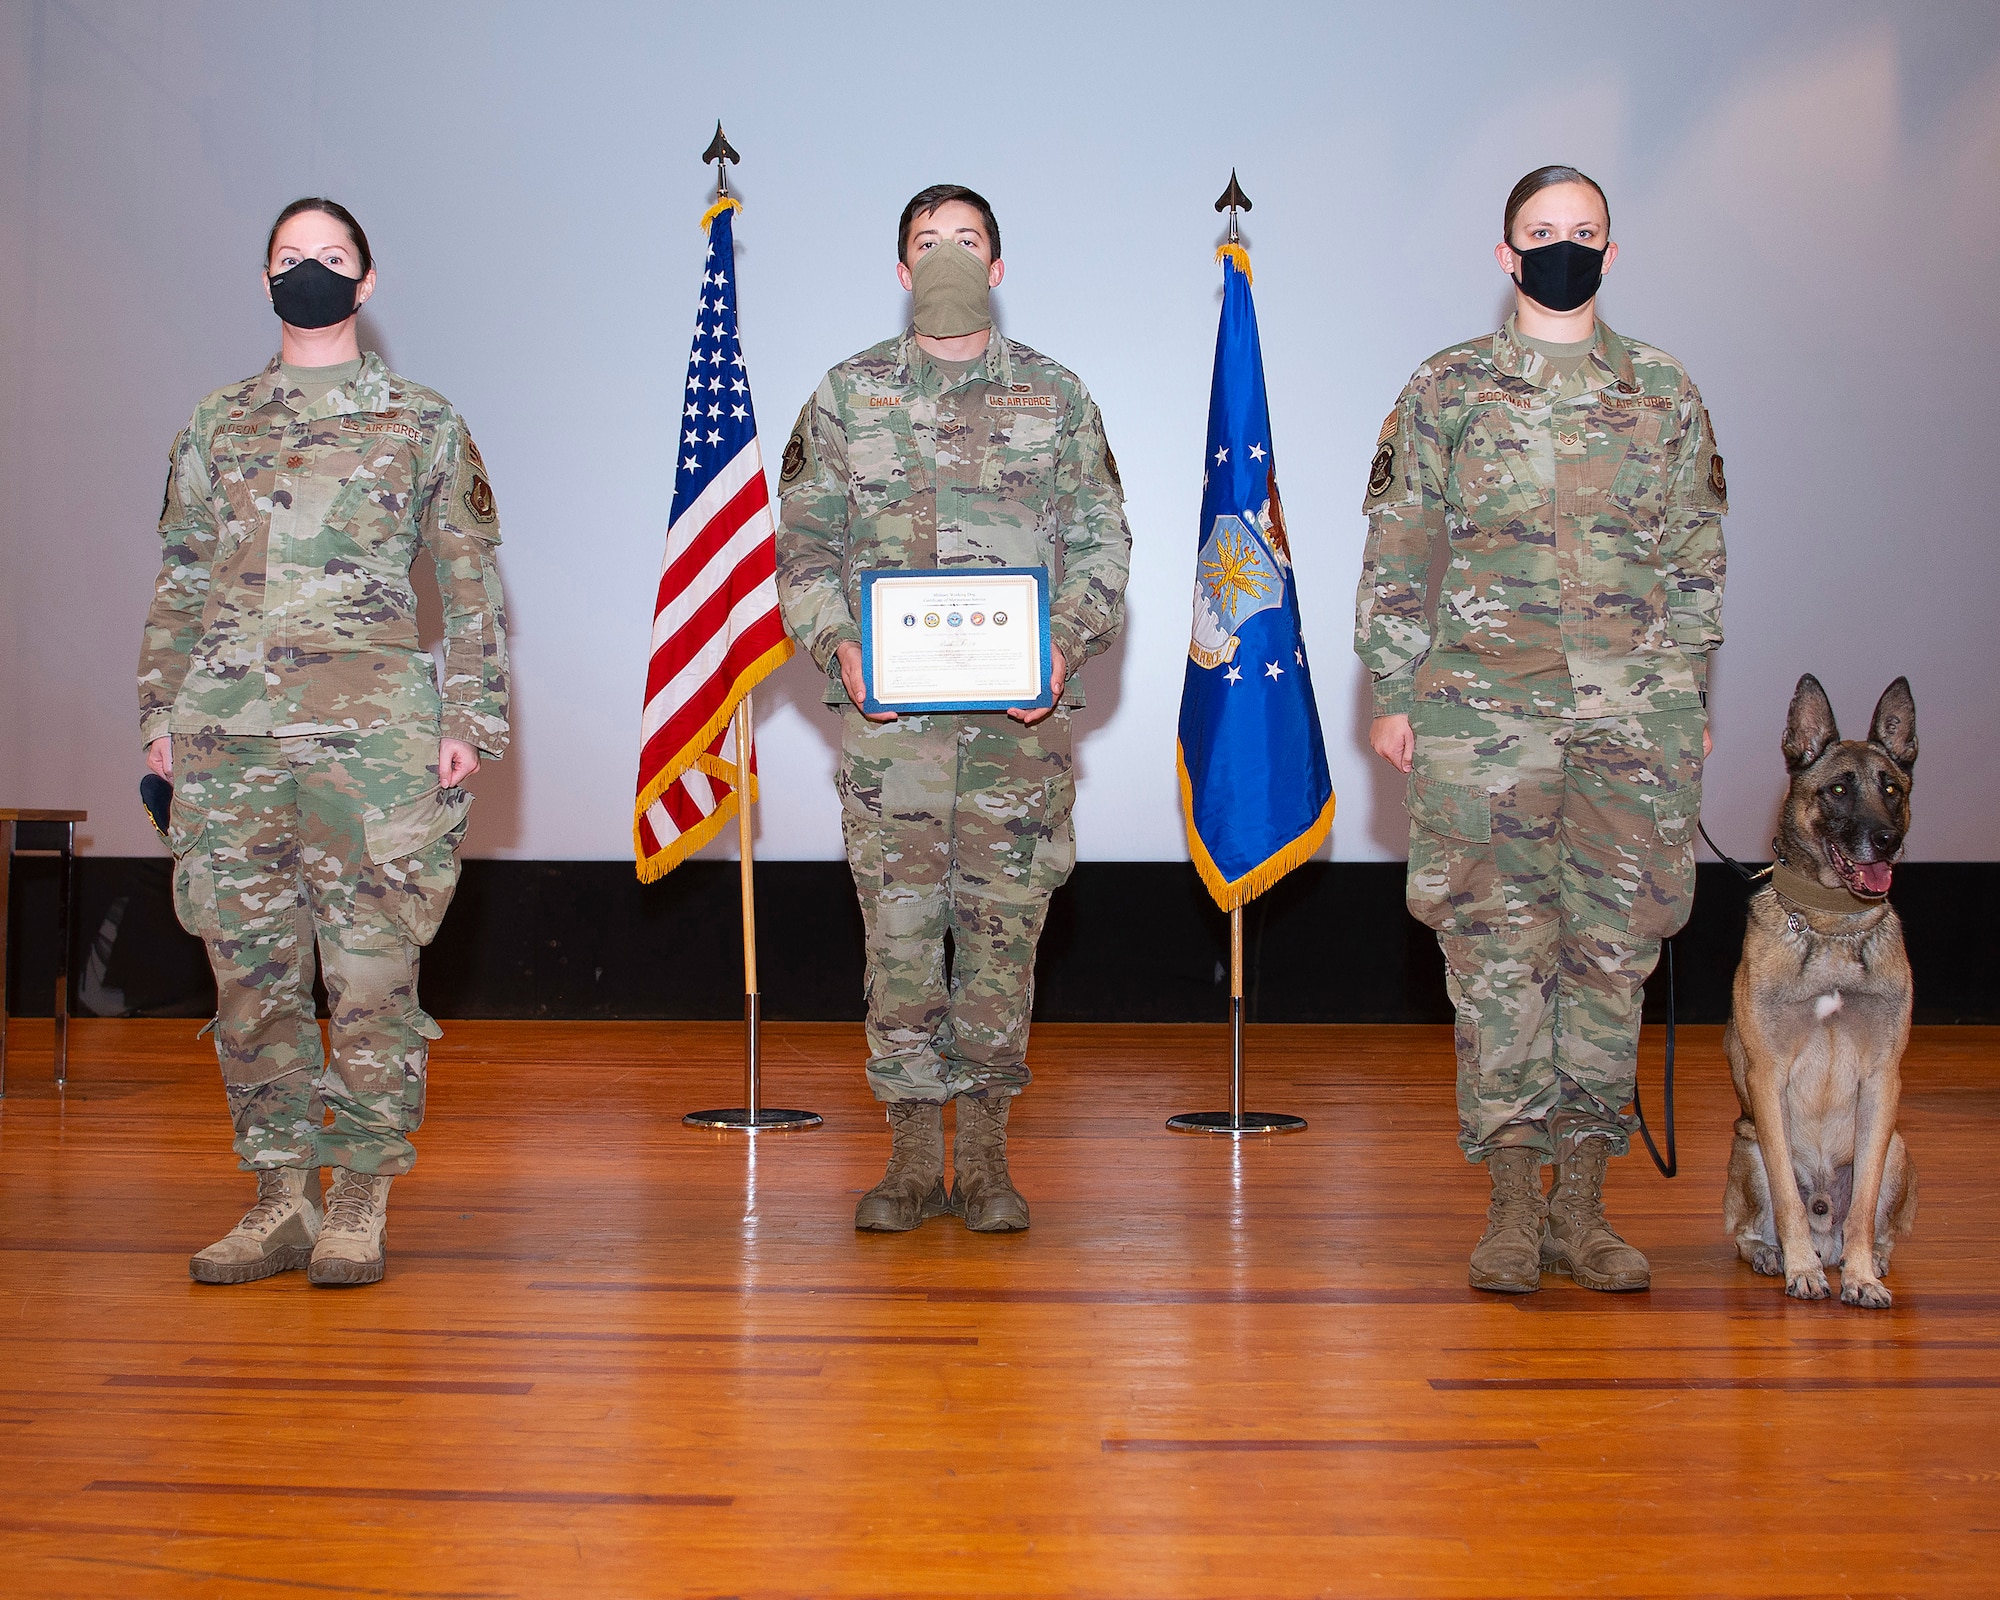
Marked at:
<point>1819,1176</point>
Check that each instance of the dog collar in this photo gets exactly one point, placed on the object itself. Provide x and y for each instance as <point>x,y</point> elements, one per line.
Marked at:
<point>1809,894</point>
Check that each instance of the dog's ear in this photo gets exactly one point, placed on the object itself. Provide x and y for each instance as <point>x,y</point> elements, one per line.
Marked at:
<point>1894,729</point>
<point>1809,725</point>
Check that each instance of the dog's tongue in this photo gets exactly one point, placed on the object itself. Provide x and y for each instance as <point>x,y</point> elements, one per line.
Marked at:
<point>1875,876</point>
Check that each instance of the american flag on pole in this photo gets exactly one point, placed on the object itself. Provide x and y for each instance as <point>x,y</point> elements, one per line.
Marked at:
<point>717,631</point>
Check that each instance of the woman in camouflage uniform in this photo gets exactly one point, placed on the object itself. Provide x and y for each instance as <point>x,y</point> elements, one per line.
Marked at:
<point>316,748</point>
<point>1550,708</point>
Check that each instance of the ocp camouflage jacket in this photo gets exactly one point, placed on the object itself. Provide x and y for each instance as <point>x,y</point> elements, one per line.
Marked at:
<point>1582,533</point>
<point>284,602</point>
<point>891,467</point>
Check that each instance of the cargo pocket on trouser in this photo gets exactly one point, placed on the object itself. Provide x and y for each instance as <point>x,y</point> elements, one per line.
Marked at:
<point>1453,884</point>
<point>413,860</point>
<point>194,873</point>
<point>1665,896</point>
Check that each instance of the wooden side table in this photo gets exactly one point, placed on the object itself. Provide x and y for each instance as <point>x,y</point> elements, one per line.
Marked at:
<point>10,817</point>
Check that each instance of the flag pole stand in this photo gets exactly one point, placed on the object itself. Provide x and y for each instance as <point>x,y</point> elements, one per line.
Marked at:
<point>1235,1122</point>
<point>752,1116</point>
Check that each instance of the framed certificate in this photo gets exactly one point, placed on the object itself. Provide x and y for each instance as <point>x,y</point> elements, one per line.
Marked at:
<point>956,639</point>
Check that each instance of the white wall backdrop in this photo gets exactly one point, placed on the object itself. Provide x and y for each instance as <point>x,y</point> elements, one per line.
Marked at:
<point>1805,196</point>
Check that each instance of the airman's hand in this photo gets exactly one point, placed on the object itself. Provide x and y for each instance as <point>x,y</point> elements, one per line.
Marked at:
<point>1393,741</point>
<point>848,654</point>
<point>160,757</point>
<point>1028,718</point>
<point>457,761</point>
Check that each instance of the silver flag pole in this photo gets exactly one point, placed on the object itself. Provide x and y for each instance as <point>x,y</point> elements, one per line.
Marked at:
<point>1236,1121</point>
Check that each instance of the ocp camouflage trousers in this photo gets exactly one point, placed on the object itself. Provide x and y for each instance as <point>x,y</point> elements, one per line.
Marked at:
<point>1552,857</point>
<point>956,824</point>
<point>346,842</point>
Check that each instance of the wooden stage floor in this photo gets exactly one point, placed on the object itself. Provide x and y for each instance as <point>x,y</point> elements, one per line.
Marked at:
<point>618,1357</point>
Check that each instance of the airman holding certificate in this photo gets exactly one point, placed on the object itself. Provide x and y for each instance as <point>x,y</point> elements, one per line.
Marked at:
<point>961,457</point>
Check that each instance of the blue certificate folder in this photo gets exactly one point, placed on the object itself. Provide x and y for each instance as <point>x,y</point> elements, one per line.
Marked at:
<point>936,623</point>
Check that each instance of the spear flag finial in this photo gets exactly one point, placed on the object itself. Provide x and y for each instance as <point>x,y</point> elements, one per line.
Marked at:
<point>1233,198</point>
<point>721,152</point>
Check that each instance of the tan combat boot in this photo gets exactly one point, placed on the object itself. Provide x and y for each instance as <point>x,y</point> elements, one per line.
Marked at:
<point>982,1192</point>
<point>1575,1238</point>
<point>1508,1257</point>
<point>353,1245</point>
<point>912,1190</point>
<point>275,1235</point>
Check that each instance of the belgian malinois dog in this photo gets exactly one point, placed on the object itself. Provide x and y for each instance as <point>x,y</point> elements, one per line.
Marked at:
<point>1819,1176</point>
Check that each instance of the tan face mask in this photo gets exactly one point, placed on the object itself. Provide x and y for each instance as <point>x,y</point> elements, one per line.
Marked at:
<point>952,297</point>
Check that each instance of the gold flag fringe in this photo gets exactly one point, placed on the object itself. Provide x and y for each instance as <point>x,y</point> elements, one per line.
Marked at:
<point>728,202</point>
<point>1237,254</point>
<point>695,754</point>
<point>1229,893</point>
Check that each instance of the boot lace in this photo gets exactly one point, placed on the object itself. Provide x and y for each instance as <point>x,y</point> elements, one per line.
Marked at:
<point>274,1203</point>
<point>1517,1197</point>
<point>986,1157</point>
<point>351,1206</point>
<point>915,1145</point>
<point>1580,1187</point>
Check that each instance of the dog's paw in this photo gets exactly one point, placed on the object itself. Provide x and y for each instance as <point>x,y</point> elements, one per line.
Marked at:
<point>1808,1285</point>
<point>1881,1264</point>
<point>1767,1261</point>
<point>1869,1292</point>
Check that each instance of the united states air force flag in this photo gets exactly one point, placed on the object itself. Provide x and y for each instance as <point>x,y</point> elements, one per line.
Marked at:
<point>1254,783</point>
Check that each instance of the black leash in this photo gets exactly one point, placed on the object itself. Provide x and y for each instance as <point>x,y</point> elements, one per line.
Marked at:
<point>1729,860</point>
<point>1672,1163</point>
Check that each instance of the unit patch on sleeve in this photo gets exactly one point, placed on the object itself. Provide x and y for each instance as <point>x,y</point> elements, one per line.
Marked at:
<point>793,467</point>
<point>1382,470</point>
<point>469,485</point>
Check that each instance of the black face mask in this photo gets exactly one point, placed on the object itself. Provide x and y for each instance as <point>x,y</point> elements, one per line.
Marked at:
<point>1561,276</point>
<point>312,295</point>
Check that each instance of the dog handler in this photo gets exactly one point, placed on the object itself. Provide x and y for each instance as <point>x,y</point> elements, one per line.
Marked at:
<point>316,760</point>
<point>1550,709</point>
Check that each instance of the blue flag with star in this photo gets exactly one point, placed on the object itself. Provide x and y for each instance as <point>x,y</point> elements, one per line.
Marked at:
<point>1254,783</point>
